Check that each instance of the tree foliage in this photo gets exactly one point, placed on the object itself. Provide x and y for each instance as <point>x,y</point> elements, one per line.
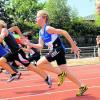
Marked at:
<point>24,11</point>
<point>59,13</point>
<point>3,14</point>
<point>97,20</point>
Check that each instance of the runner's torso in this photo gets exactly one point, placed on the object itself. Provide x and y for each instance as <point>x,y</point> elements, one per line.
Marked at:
<point>52,41</point>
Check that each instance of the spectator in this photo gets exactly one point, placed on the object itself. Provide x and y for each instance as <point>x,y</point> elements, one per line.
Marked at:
<point>76,55</point>
<point>98,45</point>
<point>98,6</point>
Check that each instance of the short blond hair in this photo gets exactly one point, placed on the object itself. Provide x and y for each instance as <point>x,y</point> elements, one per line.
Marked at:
<point>43,13</point>
<point>3,24</point>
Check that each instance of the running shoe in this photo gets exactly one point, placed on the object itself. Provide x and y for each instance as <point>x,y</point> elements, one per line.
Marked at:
<point>48,81</point>
<point>16,77</point>
<point>61,78</point>
<point>1,70</point>
<point>82,90</point>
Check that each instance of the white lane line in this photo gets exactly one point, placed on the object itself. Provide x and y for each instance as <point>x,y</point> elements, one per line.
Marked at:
<point>47,93</point>
<point>44,84</point>
<point>36,76</point>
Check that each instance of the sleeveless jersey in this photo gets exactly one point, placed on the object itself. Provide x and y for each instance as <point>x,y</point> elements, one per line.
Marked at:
<point>50,39</point>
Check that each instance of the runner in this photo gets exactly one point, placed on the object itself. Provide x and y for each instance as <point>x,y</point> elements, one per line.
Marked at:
<point>49,36</point>
<point>16,54</point>
<point>98,45</point>
<point>4,51</point>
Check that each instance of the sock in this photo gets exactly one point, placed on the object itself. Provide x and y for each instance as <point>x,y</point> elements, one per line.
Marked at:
<point>13,74</point>
<point>60,74</point>
<point>46,79</point>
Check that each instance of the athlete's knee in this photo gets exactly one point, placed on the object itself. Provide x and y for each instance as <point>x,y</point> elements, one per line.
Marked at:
<point>2,60</point>
<point>41,63</point>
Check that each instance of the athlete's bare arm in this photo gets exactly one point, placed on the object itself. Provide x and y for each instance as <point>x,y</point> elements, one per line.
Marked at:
<point>17,30</point>
<point>3,34</point>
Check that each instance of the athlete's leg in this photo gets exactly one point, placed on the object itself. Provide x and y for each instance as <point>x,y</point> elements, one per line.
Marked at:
<point>26,62</point>
<point>99,53</point>
<point>4,65</point>
<point>41,73</point>
<point>70,76</point>
<point>37,70</point>
<point>43,63</point>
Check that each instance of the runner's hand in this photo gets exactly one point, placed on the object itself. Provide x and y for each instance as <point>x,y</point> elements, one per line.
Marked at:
<point>75,50</point>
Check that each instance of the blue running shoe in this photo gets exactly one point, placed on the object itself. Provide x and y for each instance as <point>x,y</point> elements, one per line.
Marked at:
<point>48,80</point>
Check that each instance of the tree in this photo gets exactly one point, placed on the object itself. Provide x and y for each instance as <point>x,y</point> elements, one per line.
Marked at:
<point>97,16</point>
<point>58,12</point>
<point>23,12</point>
<point>3,14</point>
<point>74,15</point>
<point>24,9</point>
<point>97,20</point>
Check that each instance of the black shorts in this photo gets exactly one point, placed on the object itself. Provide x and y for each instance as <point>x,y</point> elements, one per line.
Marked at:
<point>58,55</point>
<point>18,55</point>
<point>34,57</point>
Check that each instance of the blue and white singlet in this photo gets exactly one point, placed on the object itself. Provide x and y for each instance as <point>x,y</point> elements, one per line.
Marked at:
<point>51,40</point>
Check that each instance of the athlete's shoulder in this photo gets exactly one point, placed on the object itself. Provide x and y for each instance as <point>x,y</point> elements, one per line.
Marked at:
<point>47,27</point>
<point>4,32</point>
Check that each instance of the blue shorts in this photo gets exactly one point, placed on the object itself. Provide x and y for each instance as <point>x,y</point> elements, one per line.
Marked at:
<point>3,51</point>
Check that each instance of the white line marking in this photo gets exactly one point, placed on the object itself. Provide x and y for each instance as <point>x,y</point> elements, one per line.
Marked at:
<point>46,93</point>
<point>35,77</point>
<point>43,84</point>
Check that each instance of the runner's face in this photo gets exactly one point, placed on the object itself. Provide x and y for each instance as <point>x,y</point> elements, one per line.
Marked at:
<point>39,19</point>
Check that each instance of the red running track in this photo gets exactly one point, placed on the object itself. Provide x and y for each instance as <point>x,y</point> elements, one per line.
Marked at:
<point>32,87</point>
